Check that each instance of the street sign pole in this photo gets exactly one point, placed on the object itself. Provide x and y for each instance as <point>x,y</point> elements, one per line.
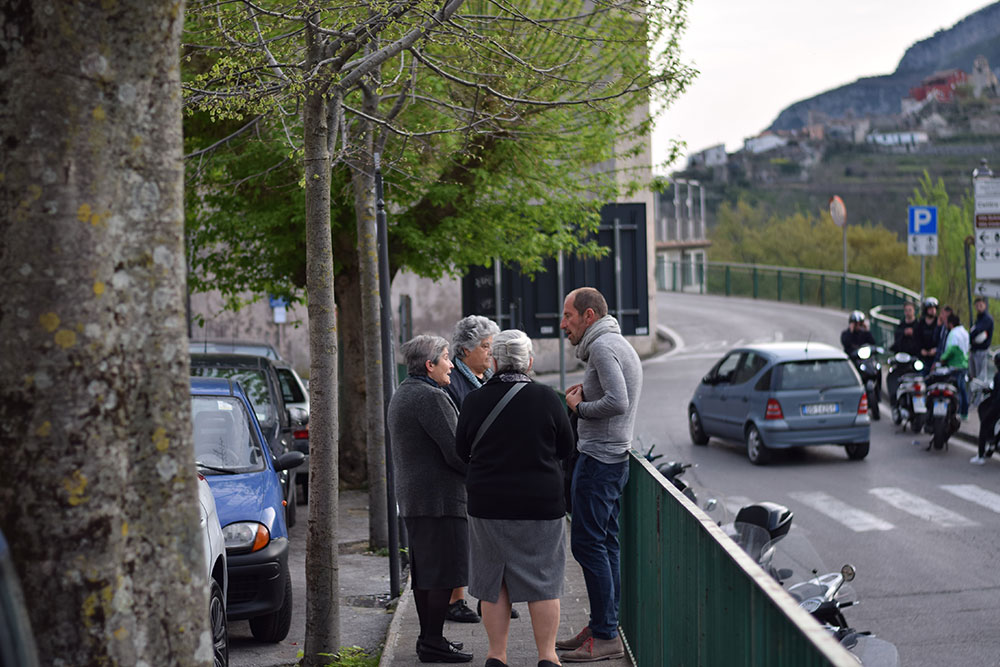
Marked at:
<point>922,290</point>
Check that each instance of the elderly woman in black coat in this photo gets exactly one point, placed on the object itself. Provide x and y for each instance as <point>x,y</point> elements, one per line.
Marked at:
<point>516,502</point>
<point>422,421</point>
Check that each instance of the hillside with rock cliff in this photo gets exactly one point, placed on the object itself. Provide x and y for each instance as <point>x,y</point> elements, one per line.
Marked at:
<point>956,47</point>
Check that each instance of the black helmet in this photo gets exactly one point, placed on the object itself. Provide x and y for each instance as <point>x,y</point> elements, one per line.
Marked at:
<point>856,316</point>
<point>930,302</point>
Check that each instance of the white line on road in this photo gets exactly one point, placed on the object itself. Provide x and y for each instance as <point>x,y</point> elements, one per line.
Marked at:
<point>921,508</point>
<point>975,494</point>
<point>857,520</point>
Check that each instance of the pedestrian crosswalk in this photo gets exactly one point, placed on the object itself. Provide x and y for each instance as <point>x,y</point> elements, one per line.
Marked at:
<point>889,506</point>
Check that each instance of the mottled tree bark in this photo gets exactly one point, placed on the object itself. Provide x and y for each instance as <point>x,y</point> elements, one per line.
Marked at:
<point>351,449</point>
<point>98,494</point>
<point>363,184</point>
<point>322,561</point>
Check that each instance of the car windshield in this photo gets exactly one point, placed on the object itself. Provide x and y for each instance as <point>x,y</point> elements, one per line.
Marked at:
<point>289,387</point>
<point>254,383</point>
<point>224,441</point>
<point>815,374</point>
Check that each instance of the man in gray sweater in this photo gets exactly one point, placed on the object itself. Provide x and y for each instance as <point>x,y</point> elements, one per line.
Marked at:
<point>606,404</point>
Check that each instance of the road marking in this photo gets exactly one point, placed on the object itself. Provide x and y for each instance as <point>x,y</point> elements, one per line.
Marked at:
<point>857,520</point>
<point>975,494</point>
<point>921,508</point>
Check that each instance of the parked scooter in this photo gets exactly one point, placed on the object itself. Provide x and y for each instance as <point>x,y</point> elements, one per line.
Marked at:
<point>909,404</point>
<point>942,404</point>
<point>865,359</point>
<point>792,560</point>
<point>674,471</point>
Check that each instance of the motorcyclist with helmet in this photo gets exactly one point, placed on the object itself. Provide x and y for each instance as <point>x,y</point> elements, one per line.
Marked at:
<point>989,412</point>
<point>928,331</point>
<point>904,340</point>
<point>856,334</point>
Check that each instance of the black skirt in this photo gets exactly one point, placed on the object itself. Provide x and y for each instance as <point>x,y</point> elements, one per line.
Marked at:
<point>439,551</point>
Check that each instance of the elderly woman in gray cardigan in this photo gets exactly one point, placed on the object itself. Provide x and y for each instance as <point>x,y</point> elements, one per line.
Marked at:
<point>430,491</point>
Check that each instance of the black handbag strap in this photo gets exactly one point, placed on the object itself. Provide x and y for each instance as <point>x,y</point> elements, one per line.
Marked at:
<point>497,409</point>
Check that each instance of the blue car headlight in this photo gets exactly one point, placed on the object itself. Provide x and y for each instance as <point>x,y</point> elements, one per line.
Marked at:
<point>246,537</point>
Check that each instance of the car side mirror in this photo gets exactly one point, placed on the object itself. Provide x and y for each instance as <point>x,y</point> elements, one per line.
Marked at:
<point>298,416</point>
<point>289,460</point>
<point>710,379</point>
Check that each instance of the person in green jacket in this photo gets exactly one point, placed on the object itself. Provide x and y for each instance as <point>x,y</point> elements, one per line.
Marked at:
<point>956,357</point>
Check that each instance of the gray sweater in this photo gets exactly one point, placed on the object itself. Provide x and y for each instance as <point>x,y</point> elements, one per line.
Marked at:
<point>430,477</point>
<point>611,386</point>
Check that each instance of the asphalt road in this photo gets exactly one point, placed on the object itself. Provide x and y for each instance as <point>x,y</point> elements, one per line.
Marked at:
<point>919,526</point>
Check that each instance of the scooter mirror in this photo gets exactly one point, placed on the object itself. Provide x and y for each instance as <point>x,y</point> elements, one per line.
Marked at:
<point>847,572</point>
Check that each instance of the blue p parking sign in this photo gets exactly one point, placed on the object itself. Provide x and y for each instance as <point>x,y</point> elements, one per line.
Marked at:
<point>922,220</point>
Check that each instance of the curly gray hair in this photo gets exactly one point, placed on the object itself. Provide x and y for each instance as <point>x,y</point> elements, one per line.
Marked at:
<point>470,332</point>
<point>512,351</point>
<point>421,349</point>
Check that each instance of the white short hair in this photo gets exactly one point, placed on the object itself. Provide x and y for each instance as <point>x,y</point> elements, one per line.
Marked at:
<point>512,351</point>
<point>470,332</point>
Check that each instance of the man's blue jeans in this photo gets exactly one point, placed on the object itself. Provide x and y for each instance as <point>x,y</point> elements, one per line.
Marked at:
<point>597,489</point>
<point>963,392</point>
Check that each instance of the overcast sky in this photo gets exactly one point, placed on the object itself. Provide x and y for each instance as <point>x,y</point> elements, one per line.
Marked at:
<point>756,58</point>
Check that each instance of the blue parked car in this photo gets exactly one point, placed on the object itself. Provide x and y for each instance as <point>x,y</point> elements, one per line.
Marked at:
<point>781,395</point>
<point>231,453</point>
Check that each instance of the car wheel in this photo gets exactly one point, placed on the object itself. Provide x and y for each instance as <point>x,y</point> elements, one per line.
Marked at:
<point>273,627</point>
<point>698,435</point>
<point>220,627</point>
<point>757,451</point>
<point>858,450</point>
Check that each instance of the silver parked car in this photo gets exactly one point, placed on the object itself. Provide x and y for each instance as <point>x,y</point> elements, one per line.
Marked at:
<point>782,395</point>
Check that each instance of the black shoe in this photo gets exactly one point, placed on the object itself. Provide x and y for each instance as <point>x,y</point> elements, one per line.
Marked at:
<point>440,650</point>
<point>479,610</point>
<point>458,646</point>
<point>493,662</point>
<point>459,612</point>
<point>548,663</point>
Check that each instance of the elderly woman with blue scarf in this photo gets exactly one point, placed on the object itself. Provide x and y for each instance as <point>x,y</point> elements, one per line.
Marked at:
<point>471,345</point>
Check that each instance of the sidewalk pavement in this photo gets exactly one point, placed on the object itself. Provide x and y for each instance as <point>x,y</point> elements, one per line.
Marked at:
<point>400,644</point>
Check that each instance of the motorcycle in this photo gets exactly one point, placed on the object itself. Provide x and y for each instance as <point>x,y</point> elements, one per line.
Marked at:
<point>673,471</point>
<point>865,359</point>
<point>906,385</point>
<point>790,558</point>
<point>989,395</point>
<point>942,404</point>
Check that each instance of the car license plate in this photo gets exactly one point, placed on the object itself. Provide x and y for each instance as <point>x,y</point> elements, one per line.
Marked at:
<point>940,409</point>
<point>821,409</point>
<point>919,404</point>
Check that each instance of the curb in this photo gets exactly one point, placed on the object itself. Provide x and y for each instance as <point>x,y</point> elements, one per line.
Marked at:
<point>389,648</point>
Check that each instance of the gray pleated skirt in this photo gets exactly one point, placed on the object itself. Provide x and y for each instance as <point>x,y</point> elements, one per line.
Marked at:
<point>527,555</point>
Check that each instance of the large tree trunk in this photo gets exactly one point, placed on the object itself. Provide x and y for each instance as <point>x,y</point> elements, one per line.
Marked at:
<point>322,561</point>
<point>363,183</point>
<point>98,496</point>
<point>353,457</point>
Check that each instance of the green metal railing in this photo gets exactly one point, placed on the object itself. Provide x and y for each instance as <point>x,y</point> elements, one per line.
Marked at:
<point>828,289</point>
<point>692,597</point>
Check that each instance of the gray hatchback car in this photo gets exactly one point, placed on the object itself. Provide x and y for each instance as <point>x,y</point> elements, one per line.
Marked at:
<point>782,395</point>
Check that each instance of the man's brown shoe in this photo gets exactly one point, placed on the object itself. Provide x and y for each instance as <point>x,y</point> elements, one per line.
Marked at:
<point>594,649</point>
<point>575,642</point>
